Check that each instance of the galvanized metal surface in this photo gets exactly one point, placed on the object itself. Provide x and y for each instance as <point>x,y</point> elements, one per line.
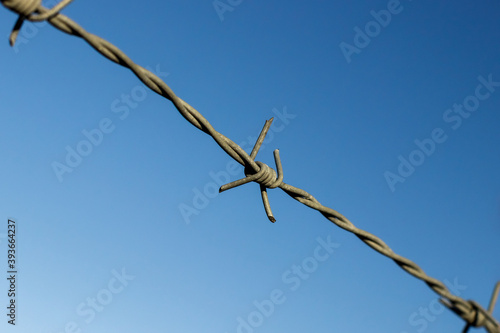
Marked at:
<point>471,312</point>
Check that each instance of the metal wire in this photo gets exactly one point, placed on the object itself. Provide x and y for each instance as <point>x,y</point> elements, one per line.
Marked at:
<point>473,314</point>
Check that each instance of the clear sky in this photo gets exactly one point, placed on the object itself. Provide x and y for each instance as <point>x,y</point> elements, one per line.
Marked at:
<point>386,111</point>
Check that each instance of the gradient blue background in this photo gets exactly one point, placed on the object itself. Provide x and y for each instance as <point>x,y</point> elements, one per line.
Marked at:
<point>120,207</point>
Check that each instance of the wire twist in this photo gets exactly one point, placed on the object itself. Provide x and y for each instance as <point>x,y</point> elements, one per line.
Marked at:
<point>471,312</point>
<point>25,8</point>
<point>265,177</point>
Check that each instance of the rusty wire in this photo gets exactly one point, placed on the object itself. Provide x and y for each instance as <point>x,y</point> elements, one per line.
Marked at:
<point>471,312</point>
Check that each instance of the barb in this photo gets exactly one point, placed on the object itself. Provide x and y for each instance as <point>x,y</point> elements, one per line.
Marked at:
<point>480,315</point>
<point>473,314</point>
<point>26,8</point>
<point>266,177</point>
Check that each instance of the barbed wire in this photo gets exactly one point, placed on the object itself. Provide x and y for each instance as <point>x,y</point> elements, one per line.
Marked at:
<point>470,311</point>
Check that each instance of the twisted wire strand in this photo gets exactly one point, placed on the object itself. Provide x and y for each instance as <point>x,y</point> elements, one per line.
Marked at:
<point>470,311</point>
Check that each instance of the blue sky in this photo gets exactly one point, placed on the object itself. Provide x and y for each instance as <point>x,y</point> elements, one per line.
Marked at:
<point>385,111</point>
